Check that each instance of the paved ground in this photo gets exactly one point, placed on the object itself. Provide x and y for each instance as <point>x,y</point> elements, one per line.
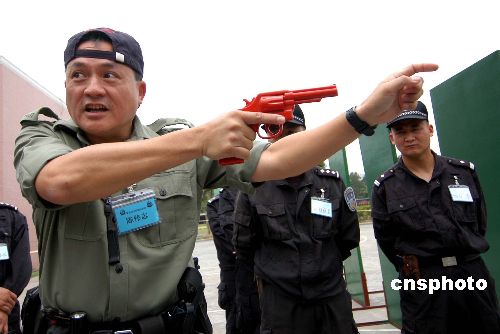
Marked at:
<point>205,251</point>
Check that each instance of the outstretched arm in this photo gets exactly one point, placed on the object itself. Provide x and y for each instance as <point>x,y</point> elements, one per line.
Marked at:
<point>295,154</point>
<point>99,170</point>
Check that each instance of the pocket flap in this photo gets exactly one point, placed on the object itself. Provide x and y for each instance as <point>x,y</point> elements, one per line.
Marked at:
<point>271,210</point>
<point>401,204</point>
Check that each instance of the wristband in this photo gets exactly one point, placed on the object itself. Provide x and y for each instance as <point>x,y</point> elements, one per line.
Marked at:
<point>358,124</point>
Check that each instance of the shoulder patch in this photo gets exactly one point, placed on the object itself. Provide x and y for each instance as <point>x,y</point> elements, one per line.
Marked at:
<point>350,198</point>
<point>327,172</point>
<point>382,177</point>
<point>213,199</point>
<point>460,163</point>
<point>34,116</point>
<point>7,206</point>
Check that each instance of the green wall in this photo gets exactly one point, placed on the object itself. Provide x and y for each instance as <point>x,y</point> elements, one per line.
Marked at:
<point>467,114</point>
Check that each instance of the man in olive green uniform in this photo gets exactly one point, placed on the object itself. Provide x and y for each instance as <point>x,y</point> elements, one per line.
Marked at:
<point>119,259</point>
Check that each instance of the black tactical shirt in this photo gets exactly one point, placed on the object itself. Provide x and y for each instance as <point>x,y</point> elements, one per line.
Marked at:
<point>415,217</point>
<point>296,250</point>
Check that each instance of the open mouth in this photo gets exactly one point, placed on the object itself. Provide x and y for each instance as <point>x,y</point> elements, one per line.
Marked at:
<point>95,108</point>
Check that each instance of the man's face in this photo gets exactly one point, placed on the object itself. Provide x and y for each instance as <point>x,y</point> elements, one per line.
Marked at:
<point>102,96</point>
<point>288,129</point>
<point>412,137</point>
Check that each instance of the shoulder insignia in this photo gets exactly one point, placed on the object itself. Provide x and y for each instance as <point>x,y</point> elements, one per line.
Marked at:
<point>387,174</point>
<point>34,116</point>
<point>213,199</point>
<point>350,198</point>
<point>8,206</point>
<point>327,172</point>
<point>166,125</point>
<point>461,163</point>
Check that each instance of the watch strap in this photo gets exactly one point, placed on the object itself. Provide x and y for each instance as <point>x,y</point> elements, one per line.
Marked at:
<point>358,124</point>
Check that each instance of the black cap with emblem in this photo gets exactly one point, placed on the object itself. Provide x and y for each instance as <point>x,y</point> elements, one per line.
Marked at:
<point>420,112</point>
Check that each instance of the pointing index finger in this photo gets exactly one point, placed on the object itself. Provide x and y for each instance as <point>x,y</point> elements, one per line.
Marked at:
<point>262,118</point>
<point>417,68</point>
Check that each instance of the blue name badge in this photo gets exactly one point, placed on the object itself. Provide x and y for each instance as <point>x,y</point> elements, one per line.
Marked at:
<point>321,207</point>
<point>135,210</point>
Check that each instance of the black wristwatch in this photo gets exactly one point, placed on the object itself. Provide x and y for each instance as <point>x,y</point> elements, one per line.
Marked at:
<point>358,124</point>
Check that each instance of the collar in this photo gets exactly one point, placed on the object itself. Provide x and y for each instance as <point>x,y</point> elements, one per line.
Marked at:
<point>139,132</point>
<point>436,172</point>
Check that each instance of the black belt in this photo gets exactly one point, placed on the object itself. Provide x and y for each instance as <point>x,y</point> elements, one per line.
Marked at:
<point>446,261</point>
<point>171,321</point>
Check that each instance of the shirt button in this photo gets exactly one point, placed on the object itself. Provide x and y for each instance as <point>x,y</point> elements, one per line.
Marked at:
<point>401,206</point>
<point>163,192</point>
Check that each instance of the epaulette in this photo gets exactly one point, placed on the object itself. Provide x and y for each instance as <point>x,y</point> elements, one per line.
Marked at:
<point>327,172</point>
<point>34,116</point>
<point>8,206</point>
<point>461,163</point>
<point>216,197</point>
<point>166,125</point>
<point>387,174</point>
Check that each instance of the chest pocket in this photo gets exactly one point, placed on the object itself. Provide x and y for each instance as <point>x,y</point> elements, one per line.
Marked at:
<point>83,221</point>
<point>274,221</point>
<point>325,227</point>
<point>176,206</point>
<point>225,211</point>
<point>466,212</point>
<point>5,232</point>
<point>406,214</point>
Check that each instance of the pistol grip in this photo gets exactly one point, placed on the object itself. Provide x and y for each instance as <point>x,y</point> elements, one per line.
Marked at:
<point>230,161</point>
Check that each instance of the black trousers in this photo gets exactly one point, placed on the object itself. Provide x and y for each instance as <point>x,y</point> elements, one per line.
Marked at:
<point>281,314</point>
<point>452,311</point>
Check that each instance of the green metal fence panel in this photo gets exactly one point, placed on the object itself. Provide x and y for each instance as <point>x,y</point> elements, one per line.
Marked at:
<point>466,110</point>
<point>353,266</point>
<point>378,155</point>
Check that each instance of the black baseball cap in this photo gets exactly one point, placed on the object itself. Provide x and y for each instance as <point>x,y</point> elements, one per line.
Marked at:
<point>126,50</point>
<point>420,112</point>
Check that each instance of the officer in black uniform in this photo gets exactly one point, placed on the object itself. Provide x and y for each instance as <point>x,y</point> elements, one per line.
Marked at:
<point>429,218</point>
<point>15,266</point>
<point>297,232</point>
<point>235,297</point>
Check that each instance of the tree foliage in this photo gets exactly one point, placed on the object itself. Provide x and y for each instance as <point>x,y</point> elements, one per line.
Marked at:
<point>359,185</point>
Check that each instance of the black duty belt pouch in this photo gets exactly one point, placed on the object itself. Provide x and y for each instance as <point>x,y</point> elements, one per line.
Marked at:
<point>411,268</point>
<point>31,311</point>
<point>190,290</point>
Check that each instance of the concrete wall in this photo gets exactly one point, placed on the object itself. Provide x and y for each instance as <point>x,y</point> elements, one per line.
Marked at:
<point>19,95</point>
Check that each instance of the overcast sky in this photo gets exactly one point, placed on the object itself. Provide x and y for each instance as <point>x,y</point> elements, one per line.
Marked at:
<point>202,58</point>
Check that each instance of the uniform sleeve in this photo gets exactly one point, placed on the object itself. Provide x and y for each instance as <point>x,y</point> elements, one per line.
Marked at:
<point>35,146</point>
<point>244,235</point>
<point>212,175</point>
<point>347,237</point>
<point>382,225</point>
<point>481,209</point>
<point>20,256</point>
<point>244,239</point>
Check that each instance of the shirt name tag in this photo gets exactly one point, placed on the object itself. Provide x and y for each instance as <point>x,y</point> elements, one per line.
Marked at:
<point>135,210</point>
<point>460,193</point>
<point>321,207</point>
<point>4,252</point>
